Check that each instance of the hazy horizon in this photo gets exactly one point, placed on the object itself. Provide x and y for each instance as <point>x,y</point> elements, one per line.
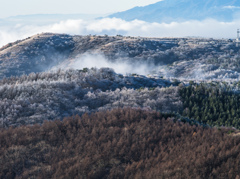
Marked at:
<point>77,22</point>
<point>25,7</point>
<point>11,31</point>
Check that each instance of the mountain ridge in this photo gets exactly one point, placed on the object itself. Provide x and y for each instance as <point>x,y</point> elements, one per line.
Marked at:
<point>183,10</point>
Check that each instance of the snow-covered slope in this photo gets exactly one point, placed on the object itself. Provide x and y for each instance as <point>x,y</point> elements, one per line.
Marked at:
<point>168,57</point>
<point>53,95</point>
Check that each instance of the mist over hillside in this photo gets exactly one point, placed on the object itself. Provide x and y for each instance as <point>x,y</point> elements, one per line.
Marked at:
<point>188,58</point>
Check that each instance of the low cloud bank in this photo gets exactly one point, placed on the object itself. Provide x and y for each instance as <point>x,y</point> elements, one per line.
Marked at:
<point>99,61</point>
<point>114,26</point>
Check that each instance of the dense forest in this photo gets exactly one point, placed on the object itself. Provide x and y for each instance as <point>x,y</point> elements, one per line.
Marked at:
<point>122,143</point>
<point>215,104</point>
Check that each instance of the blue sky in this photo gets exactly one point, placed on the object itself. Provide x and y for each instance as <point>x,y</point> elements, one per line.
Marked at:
<point>24,7</point>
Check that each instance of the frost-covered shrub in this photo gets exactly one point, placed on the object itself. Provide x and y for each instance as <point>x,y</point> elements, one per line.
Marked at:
<point>54,95</point>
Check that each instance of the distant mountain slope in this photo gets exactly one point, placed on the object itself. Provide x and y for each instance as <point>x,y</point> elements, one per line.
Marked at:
<point>181,10</point>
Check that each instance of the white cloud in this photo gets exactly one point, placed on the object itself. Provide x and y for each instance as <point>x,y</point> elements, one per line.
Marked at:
<point>114,26</point>
<point>231,7</point>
